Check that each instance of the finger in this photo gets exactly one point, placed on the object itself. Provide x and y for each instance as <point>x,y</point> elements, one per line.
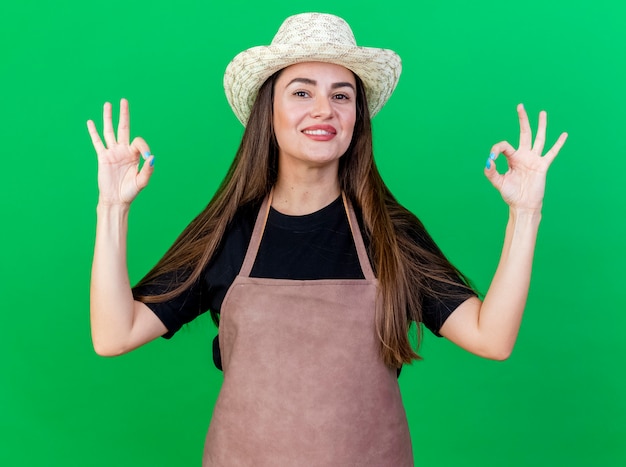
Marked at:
<point>525,133</point>
<point>554,150</point>
<point>95,137</point>
<point>143,177</point>
<point>492,174</point>
<point>540,139</point>
<point>123,126</point>
<point>109,135</point>
<point>503,147</point>
<point>139,146</point>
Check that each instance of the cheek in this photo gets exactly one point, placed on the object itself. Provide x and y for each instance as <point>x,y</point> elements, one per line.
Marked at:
<point>278,122</point>
<point>350,121</point>
<point>284,116</point>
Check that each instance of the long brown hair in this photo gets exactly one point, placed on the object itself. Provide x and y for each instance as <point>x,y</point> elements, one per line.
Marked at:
<point>407,272</point>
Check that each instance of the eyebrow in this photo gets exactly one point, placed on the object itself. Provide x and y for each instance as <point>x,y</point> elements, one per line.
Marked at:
<point>313,83</point>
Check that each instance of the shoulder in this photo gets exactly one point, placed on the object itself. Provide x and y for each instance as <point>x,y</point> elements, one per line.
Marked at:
<point>246,215</point>
<point>239,229</point>
<point>409,228</point>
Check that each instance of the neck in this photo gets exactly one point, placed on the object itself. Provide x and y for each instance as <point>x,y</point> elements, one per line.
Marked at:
<point>305,192</point>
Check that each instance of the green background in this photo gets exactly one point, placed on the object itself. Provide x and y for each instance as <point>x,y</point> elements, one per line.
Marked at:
<point>559,400</point>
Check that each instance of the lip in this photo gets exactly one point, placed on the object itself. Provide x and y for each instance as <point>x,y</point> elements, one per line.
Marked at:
<point>320,132</point>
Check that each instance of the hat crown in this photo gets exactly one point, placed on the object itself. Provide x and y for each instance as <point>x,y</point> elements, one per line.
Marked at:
<point>314,28</point>
<point>311,37</point>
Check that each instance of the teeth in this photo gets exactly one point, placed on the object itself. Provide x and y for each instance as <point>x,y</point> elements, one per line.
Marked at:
<point>317,132</point>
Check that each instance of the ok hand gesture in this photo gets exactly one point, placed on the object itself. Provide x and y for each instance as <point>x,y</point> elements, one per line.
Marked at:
<point>523,184</point>
<point>119,177</point>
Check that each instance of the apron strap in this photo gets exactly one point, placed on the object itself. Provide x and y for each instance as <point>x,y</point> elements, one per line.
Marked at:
<point>259,229</point>
<point>257,234</point>
<point>364,260</point>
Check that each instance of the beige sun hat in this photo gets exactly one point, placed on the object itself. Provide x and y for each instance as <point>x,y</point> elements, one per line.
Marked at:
<point>311,37</point>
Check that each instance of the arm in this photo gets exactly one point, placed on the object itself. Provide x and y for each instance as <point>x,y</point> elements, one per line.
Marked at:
<point>490,328</point>
<point>118,322</point>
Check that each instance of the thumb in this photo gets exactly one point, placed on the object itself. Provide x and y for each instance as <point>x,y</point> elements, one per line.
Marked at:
<point>139,146</point>
<point>491,172</point>
<point>143,177</point>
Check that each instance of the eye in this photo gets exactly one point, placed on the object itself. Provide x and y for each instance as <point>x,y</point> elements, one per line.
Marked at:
<point>301,94</point>
<point>341,97</point>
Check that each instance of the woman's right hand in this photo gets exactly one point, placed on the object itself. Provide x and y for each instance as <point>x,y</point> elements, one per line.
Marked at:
<point>119,178</point>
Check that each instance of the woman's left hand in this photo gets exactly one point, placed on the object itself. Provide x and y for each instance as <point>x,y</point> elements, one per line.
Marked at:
<point>523,184</point>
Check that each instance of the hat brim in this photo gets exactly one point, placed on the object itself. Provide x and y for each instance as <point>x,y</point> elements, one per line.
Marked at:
<point>379,69</point>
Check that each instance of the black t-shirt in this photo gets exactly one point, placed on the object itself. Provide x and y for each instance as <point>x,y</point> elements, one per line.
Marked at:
<point>310,247</point>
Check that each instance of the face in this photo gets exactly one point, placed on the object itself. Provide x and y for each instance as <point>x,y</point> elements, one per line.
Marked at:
<point>314,113</point>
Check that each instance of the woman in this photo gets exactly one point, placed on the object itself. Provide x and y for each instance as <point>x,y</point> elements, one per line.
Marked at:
<point>314,269</point>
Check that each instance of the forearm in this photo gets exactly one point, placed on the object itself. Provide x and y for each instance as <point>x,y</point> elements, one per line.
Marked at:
<point>490,328</point>
<point>112,304</point>
<point>500,314</point>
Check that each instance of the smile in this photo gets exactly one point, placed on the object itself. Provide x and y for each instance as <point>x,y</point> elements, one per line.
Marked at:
<point>318,132</point>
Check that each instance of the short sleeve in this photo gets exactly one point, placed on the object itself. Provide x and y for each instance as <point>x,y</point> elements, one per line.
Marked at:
<point>445,296</point>
<point>436,310</point>
<point>180,310</point>
<point>214,281</point>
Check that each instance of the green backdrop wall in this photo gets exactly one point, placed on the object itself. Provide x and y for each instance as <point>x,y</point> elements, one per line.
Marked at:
<point>559,400</point>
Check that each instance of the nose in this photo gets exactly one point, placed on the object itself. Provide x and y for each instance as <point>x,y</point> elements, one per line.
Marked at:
<point>322,108</point>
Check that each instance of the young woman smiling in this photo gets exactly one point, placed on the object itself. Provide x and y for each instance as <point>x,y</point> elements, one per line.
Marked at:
<point>310,266</point>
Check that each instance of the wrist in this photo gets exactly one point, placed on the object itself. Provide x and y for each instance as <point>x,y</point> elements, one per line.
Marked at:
<point>109,206</point>
<point>525,215</point>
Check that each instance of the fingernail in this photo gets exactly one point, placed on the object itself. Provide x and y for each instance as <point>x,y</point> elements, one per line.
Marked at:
<point>152,161</point>
<point>145,155</point>
<point>492,156</point>
<point>488,163</point>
